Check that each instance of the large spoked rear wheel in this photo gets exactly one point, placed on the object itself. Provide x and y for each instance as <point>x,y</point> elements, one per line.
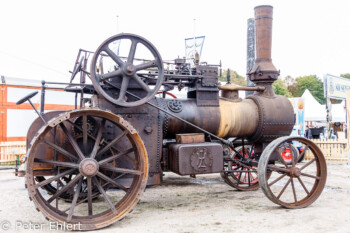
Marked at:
<point>105,159</point>
<point>294,185</point>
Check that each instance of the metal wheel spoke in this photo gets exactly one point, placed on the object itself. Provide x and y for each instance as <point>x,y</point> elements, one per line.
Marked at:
<point>114,157</point>
<point>251,151</point>
<point>281,158</point>
<point>111,181</point>
<point>65,188</point>
<point>109,145</point>
<point>145,65</point>
<point>85,134</point>
<point>72,141</point>
<point>48,181</point>
<point>60,183</point>
<point>248,178</point>
<point>240,156</point>
<point>294,194</point>
<point>240,176</point>
<point>80,129</point>
<point>311,176</point>
<point>85,199</point>
<point>60,150</point>
<point>113,56</point>
<point>75,199</point>
<point>105,196</point>
<point>141,83</point>
<point>58,163</point>
<point>132,51</point>
<point>112,74</point>
<point>89,189</point>
<point>302,153</point>
<point>291,154</point>
<point>302,184</point>
<point>276,168</point>
<point>98,139</point>
<point>123,88</point>
<point>91,136</point>
<point>284,188</point>
<point>278,179</point>
<point>310,162</point>
<point>122,170</point>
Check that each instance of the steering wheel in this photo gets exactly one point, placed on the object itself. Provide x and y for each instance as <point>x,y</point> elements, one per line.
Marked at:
<point>27,97</point>
<point>126,73</point>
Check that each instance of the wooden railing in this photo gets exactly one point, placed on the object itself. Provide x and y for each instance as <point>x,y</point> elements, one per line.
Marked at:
<point>332,149</point>
<point>10,152</point>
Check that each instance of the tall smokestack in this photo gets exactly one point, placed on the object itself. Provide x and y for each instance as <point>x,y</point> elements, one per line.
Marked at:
<point>263,72</point>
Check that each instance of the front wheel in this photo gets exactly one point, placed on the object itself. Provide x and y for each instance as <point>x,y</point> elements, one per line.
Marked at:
<point>294,185</point>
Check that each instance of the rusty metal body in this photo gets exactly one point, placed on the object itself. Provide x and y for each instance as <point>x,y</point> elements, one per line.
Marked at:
<point>126,137</point>
<point>195,158</point>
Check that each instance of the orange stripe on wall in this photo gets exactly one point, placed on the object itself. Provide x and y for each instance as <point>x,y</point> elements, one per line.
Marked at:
<point>47,106</point>
<point>4,124</point>
<point>4,114</point>
<point>4,105</point>
<point>12,139</point>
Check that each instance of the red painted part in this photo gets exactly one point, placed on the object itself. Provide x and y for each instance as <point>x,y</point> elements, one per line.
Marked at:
<point>287,155</point>
<point>244,177</point>
<point>168,93</point>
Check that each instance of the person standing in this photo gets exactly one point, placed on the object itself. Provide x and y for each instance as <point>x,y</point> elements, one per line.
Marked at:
<point>308,133</point>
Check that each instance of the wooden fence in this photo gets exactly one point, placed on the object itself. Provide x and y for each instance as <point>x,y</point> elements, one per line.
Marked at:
<point>333,149</point>
<point>9,151</point>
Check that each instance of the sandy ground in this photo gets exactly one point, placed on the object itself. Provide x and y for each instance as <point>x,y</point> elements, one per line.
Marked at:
<point>204,204</point>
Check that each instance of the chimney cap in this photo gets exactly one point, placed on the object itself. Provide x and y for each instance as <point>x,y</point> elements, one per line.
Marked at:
<point>263,6</point>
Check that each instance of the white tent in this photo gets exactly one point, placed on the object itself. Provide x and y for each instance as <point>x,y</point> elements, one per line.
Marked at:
<point>314,111</point>
<point>339,112</point>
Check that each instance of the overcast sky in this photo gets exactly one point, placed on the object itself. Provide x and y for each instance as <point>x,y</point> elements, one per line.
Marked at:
<point>40,39</point>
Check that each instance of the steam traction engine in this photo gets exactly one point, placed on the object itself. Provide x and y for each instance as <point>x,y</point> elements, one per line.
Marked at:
<point>90,166</point>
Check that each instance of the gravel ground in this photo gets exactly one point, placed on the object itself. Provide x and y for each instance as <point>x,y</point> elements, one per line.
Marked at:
<point>204,204</point>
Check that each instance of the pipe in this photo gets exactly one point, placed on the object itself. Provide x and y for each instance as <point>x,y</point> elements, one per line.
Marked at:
<point>263,71</point>
<point>263,24</point>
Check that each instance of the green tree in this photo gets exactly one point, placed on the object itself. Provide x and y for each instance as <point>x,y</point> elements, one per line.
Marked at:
<point>235,78</point>
<point>280,88</point>
<point>292,86</point>
<point>347,75</point>
<point>314,85</point>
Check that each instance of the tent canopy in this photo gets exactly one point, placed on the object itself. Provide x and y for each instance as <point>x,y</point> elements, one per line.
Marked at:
<point>314,111</point>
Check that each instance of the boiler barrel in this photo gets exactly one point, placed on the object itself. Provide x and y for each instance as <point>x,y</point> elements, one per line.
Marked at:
<point>230,119</point>
<point>258,118</point>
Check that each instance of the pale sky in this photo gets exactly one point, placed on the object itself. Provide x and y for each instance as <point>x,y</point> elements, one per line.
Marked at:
<point>40,39</point>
